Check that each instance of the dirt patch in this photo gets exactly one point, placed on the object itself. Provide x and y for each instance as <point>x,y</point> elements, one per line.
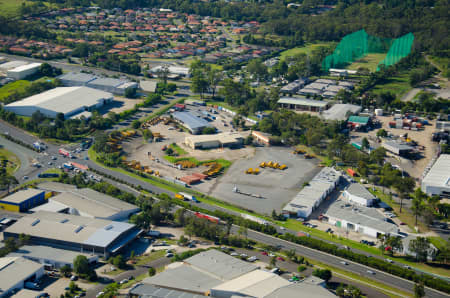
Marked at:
<point>119,105</point>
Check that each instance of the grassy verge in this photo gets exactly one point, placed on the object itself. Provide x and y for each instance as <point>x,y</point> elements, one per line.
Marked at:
<point>370,62</point>
<point>13,161</point>
<point>391,292</point>
<point>178,149</point>
<point>131,282</point>
<point>162,110</point>
<point>115,272</point>
<point>144,259</point>
<point>398,85</point>
<point>173,159</point>
<point>53,171</point>
<point>307,49</point>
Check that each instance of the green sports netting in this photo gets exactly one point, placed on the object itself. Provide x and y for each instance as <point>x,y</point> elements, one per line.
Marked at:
<point>358,44</point>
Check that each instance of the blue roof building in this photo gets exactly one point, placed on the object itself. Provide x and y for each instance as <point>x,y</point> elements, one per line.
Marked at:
<point>193,123</point>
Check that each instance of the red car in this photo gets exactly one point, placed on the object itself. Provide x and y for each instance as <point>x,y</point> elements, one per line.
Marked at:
<point>280,259</point>
<point>264,253</point>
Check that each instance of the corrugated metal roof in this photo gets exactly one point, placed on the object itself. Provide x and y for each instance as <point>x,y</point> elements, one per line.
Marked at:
<point>358,190</point>
<point>358,119</point>
<point>303,101</point>
<point>14,270</point>
<point>149,291</point>
<point>190,120</point>
<point>339,111</point>
<point>439,174</point>
<point>21,195</point>
<point>47,253</point>
<point>78,77</point>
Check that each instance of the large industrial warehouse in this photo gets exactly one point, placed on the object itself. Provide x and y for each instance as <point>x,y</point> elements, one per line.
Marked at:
<point>78,233</point>
<point>437,180</point>
<point>214,141</point>
<point>15,272</point>
<point>216,274</point>
<point>116,86</point>
<point>69,101</point>
<point>89,203</point>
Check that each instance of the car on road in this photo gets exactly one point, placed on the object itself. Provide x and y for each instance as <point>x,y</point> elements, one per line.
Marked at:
<point>25,177</point>
<point>407,267</point>
<point>244,255</point>
<point>169,255</point>
<point>280,259</point>
<point>271,255</point>
<point>123,281</point>
<point>344,263</point>
<point>74,278</point>
<point>370,272</point>
<point>50,163</point>
<point>54,157</point>
<point>264,253</point>
<point>389,261</point>
<point>252,259</point>
<point>282,228</point>
<point>329,230</point>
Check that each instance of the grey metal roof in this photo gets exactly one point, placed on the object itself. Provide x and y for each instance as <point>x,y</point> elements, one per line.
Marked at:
<point>78,77</point>
<point>358,190</point>
<point>220,265</point>
<point>397,145</point>
<point>15,269</point>
<point>21,195</point>
<point>108,82</point>
<point>47,253</point>
<point>148,86</point>
<point>184,277</point>
<point>439,174</point>
<point>63,99</point>
<point>149,291</point>
<point>12,64</point>
<point>339,111</point>
<point>190,120</point>
<point>303,101</point>
<point>306,289</point>
<point>70,228</point>
<point>56,186</point>
<point>363,216</point>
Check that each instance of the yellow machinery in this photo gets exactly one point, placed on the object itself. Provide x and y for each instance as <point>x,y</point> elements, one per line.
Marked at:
<point>275,165</point>
<point>249,171</point>
<point>179,196</point>
<point>262,165</point>
<point>256,171</point>
<point>282,167</point>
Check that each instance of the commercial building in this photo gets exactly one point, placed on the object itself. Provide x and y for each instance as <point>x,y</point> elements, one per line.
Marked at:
<point>89,203</point>
<point>21,72</point>
<point>312,195</point>
<point>397,148</point>
<point>116,86</point>
<point>226,139</point>
<point>74,79</point>
<point>358,194</point>
<point>261,137</point>
<point>148,86</point>
<point>437,180</point>
<point>4,67</point>
<point>66,100</point>
<point>15,272</point>
<point>302,104</point>
<point>358,122</point>
<point>23,200</point>
<point>74,232</point>
<point>216,274</point>
<point>173,70</point>
<point>193,123</point>
<point>50,256</point>
<point>340,111</point>
<point>293,87</point>
<point>367,221</point>
<point>309,287</point>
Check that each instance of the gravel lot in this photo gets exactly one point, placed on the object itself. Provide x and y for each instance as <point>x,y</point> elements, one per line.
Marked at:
<point>275,186</point>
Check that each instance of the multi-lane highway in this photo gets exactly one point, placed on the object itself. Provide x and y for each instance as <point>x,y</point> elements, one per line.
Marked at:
<point>362,270</point>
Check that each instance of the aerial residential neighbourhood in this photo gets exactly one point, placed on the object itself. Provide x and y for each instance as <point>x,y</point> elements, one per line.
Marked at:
<point>224,148</point>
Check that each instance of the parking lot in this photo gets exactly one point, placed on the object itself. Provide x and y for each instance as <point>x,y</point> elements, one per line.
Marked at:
<point>276,187</point>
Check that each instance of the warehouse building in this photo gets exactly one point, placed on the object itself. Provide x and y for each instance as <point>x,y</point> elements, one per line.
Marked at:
<point>225,139</point>
<point>116,86</point>
<point>340,111</point>
<point>293,87</point>
<point>398,148</point>
<point>312,195</point>
<point>11,65</point>
<point>437,180</point>
<point>21,72</point>
<point>193,123</point>
<point>174,71</point>
<point>356,193</point>
<point>302,104</point>
<point>261,137</point>
<point>89,203</point>
<point>216,274</point>
<point>74,79</point>
<point>358,122</point>
<point>69,101</point>
<point>145,290</point>
<point>78,233</point>
<point>23,200</point>
<point>148,86</point>
<point>367,221</point>
<point>15,272</point>
<point>50,256</point>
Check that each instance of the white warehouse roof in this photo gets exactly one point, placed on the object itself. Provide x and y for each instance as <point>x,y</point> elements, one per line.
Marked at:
<point>13,270</point>
<point>438,178</point>
<point>66,100</point>
<point>25,67</point>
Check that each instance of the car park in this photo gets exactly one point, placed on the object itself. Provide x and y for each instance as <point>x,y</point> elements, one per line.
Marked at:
<point>252,259</point>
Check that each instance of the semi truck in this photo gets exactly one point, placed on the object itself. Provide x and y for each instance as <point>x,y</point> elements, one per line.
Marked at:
<point>188,197</point>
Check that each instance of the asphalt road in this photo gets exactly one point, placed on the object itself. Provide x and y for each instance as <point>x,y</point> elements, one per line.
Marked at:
<point>263,238</point>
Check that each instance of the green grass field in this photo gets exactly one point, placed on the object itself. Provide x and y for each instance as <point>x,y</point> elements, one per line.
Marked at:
<point>13,161</point>
<point>305,50</point>
<point>398,84</point>
<point>9,7</point>
<point>10,88</point>
<point>370,62</point>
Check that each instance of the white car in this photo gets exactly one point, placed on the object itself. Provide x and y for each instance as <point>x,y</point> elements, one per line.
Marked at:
<point>389,261</point>
<point>344,263</point>
<point>234,254</point>
<point>370,272</point>
<point>252,259</point>
<point>282,228</point>
<point>123,281</point>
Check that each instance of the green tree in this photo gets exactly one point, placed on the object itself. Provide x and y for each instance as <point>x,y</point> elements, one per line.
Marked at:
<point>404,186</point>
<point>324,274</point>
<point>130,92</point>
<point>242,231</point>
<point>136,124</point>
<point>180,217</point>
<point>420,247</point>
<point>73,287</point>
<point>418,203</point>
<point>119,262</point>
<point>81,265</point>
<point>273,261</point>
<point>382,133</point>
<point>199,83</point>
<point>151,271</point>
<point>65,270</point>
<point>419,290</point>
<point>214,77</point>
<point>365,144</point>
